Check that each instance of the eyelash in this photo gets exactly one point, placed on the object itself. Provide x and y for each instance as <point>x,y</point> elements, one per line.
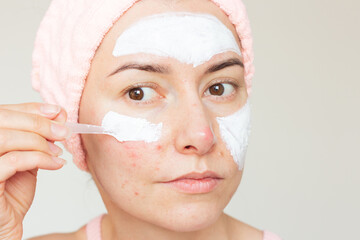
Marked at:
<point>127,90</point>
<point>154,86</point>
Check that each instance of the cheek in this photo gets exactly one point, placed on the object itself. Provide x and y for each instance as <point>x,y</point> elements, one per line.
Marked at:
<point>134,153</point>
<point>126,154</point>
<point>133,165</point>
<point>132,156</point>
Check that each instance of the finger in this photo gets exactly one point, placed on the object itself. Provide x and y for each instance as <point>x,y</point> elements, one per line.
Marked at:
<point>61,117</point>
<point>15,140</point>
<point>47,110</point>
<point>48,129</point>
<point>19,161</point>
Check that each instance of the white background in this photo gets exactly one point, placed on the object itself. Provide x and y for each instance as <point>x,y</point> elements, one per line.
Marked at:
<point>301,176</point>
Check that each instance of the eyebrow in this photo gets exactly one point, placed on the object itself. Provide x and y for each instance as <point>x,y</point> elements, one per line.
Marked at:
<point>156,68</point>
<point>224,64</point>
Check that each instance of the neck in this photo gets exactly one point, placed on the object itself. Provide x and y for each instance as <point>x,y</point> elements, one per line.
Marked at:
<point>120,225</point>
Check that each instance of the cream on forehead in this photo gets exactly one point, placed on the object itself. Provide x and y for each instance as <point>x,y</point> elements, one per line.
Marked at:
<point>188,37</point>
<point>125,128</point>
<point>235,131</point>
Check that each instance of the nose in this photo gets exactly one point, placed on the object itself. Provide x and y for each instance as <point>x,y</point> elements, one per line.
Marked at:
<point>194,133</point>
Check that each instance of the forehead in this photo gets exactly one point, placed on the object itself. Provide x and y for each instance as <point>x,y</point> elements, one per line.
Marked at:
<point>147,8</point>
<point>188,37</point>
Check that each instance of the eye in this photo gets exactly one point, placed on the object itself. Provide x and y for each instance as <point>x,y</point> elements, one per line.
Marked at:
<point>220,89</point>
<point>142,94</point>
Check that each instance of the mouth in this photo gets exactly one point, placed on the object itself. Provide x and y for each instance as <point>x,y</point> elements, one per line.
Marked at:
<point>195,182</point>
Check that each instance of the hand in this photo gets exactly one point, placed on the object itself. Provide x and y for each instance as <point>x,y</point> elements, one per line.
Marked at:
<point>27,135</point>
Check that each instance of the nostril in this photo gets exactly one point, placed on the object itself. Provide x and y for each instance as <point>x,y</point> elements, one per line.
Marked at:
<point>190,148</point>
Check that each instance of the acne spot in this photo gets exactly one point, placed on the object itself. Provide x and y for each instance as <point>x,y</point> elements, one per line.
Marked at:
<point>133,145</point>
<point>159,147</point>
<point>157,169</point>
<point>136,193</point>
<point>133,154</point>
<point>124,183</point>
<point>133,164</point>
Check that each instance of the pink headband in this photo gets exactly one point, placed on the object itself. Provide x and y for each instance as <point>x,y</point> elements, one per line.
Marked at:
<point>68,38</point>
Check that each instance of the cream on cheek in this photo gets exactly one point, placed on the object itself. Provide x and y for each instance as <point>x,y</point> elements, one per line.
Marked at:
<point>235,131</point>
<point>139,139</point>
<point>125,128</point>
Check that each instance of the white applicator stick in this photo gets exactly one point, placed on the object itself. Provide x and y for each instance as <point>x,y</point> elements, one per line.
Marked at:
<point>85,128</point>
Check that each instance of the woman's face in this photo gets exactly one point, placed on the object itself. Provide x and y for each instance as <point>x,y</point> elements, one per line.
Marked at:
<point>131,175</point>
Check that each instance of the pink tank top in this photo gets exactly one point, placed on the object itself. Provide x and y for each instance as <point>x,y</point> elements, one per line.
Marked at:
<point>93,230</point>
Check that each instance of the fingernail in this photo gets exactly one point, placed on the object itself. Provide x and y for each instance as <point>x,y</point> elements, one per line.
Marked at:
<point>59,131</point>
<point>61,117</point>
<point>49,109</point>
<point>59,160</point>
<point>55,149</point>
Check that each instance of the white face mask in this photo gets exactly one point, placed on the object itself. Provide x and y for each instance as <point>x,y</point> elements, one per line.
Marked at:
<point>192,39</point>
<point>235,131</point>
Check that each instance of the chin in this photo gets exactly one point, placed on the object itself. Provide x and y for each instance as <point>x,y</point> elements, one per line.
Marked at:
<point>189,218</point>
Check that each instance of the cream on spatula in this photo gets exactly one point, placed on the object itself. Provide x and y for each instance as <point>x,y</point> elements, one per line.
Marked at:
<point>122,127</point>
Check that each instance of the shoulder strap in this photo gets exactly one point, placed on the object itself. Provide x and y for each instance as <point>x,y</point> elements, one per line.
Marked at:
<point>270,236</point>
<point>93,228</point>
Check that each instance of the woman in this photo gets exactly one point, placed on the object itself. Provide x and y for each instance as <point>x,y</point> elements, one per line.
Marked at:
<point>180,70</point>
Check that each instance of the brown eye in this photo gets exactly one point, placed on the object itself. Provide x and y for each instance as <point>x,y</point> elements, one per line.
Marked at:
<point>220,90</point>
<point>136,94</point>
<point>217,89</point>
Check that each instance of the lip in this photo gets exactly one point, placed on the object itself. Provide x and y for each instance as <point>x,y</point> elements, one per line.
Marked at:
<point>195,182</point>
